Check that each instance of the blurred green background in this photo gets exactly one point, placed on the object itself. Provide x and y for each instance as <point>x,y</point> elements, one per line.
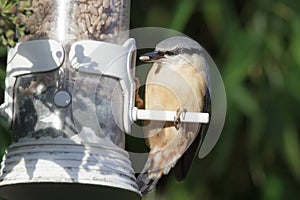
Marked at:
<point>256,45</point>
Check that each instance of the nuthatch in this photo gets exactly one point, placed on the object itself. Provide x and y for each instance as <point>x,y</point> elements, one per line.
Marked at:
<point>178,81</point>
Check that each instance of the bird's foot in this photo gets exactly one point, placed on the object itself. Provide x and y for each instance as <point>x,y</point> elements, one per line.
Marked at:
<point>177,118</point>
<point>139,102</point>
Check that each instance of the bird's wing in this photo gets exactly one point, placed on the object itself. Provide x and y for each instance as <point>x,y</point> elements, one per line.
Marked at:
<point>184,164</point>
<point>171,90</point>
<point>162,159</point>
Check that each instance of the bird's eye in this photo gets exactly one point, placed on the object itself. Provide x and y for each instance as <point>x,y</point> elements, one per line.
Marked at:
<point>161,54</point>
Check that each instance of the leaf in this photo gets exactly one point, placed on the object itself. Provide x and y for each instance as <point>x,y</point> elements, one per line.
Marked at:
<point>183,13</point>
<point>273,189</point>
<point>295,40</point>
<point>9,34</point>
<point>291,147</point>
<point>213,13</point>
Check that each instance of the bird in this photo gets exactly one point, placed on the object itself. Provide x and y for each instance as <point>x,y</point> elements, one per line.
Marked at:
<point>179,81</point>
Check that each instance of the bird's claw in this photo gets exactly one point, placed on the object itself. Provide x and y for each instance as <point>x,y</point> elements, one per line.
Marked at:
<point>177,119</point>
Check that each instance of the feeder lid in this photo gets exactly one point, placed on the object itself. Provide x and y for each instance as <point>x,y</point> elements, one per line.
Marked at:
<point>96,57</point>
<point>34,56</point>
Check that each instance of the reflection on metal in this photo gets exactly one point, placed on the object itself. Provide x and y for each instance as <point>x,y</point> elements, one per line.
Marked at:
<point>37,56</point>
<point>68,123</point>
<point>67,160</point>
<point>106,59</point>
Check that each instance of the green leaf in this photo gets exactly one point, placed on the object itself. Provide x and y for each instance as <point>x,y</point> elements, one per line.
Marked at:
<point>183,13</point>
<point>291,147</point>
<point>273,188</point>
<point>295,40</point>
<point>10,34</point>
<point>213,13</point>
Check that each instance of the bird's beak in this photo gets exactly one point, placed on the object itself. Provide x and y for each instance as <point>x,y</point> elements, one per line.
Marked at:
<point>151,56</point>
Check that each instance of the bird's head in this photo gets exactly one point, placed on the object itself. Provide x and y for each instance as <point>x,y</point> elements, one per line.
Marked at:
<point>177,52</point>
<point>175,49</point>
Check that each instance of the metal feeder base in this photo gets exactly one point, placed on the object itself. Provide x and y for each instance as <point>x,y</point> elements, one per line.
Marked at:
<point>63,191</point>
<point>62,168</point>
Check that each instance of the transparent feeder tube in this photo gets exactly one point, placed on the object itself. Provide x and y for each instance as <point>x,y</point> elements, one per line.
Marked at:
<point>72,20</point>
<point>68,21</point>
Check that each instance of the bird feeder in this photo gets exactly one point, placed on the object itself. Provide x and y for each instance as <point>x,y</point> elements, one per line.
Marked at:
<point>69,91</point>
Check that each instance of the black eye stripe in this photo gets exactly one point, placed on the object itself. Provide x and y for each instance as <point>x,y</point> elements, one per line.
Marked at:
<point>170,53</point>
<point>179,51</point>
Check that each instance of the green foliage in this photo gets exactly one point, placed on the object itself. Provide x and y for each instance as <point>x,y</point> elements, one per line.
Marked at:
<point>4,136</point>
<point>10,22</point>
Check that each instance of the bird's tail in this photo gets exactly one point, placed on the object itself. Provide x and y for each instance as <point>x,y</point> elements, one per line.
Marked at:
<point>149,177</point>
<point>153,171</point>
<point>145,183</point>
